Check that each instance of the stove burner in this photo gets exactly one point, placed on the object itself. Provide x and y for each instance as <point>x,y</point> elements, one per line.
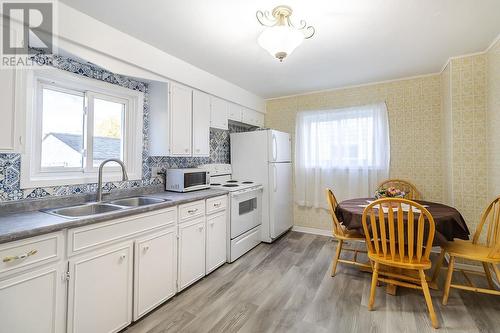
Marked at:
<point>232,181</point>
<point>230,185</point>
<point>247,182</point>
<point>215,184</point>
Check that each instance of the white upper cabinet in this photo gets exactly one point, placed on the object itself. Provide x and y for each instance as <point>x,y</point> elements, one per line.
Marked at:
<point>201,124</point>
<point>181,101</point>
<point>235,112</point>
<point>252,117</point>
<point>8,136</point>
<point>219,113</point>
<point>170,122</point>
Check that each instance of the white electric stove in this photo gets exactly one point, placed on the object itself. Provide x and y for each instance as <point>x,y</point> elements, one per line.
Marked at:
<point>245,209</point>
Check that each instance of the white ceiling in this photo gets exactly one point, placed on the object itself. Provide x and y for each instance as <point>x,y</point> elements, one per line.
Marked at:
<point>356,42</point>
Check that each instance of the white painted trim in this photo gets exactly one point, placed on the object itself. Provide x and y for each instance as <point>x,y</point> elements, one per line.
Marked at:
<point>118,51</point>
<point>496,40</point>
<point>355,86</point>
<point>314,231</point>
<point>32,176</point>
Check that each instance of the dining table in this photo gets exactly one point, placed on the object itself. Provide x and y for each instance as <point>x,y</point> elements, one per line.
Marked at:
<point>449,223</point>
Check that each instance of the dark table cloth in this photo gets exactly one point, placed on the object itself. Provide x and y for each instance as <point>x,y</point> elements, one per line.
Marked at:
<point>449,222</point>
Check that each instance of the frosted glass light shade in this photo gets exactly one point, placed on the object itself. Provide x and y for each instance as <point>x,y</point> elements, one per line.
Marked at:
<point>280,40</point>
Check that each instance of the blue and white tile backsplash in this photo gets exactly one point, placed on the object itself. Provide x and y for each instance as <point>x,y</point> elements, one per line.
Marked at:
<point>10,164</point>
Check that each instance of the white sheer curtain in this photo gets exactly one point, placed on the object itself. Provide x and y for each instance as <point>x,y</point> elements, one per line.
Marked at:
<point>346,149</point>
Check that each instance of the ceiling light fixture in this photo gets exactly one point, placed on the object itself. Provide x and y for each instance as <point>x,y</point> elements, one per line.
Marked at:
<point>281,36</point>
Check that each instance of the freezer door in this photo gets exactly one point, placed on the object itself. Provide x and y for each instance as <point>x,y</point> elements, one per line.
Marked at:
<point>279,147</point>
<point>280,198</point>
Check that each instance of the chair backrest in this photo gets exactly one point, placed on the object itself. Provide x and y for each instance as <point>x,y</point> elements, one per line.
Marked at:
<point>400,234</point>
<point>332,205</point>
<point>491,220</point>
<point>411,192</point>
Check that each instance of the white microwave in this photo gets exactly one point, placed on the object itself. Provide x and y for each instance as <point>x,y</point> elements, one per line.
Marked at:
<point>185,180</point>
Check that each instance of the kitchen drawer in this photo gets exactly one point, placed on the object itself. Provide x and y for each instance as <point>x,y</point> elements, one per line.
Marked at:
<point>30,252</point>
<point>191,210</point>
<point>80,239</point>
<point>216,204</point>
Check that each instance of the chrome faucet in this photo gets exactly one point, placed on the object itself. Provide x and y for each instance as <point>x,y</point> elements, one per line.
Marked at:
<point>101,167</point>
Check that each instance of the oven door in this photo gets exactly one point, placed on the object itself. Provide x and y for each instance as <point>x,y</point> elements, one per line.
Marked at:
<point>246,210</point>
<point>196,180</point>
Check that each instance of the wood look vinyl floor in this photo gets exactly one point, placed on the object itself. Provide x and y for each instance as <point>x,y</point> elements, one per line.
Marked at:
<point>286,287</point>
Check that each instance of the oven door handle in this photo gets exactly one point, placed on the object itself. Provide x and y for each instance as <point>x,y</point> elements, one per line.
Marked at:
<point>253,189</point>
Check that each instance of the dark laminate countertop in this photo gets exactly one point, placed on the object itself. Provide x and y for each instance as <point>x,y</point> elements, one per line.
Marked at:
<point>24,224</point>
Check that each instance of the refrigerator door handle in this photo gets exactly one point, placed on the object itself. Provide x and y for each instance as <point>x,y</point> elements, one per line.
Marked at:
<point>275,148</point>
<point>275,180</point>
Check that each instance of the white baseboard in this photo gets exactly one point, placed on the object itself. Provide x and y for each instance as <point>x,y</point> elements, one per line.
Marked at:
<point>314,231</point>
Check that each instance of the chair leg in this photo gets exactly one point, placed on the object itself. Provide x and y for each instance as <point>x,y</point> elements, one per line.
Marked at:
<point>439,263</point>
<point>497,271</point>
<point>337,256</point>
<point>488,275</point>
<point>448,280</point>
<point>428,299</point>
<point>373,287</point>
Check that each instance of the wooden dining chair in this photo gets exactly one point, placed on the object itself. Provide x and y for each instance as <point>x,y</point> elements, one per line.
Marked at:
<point>486,251</point>
<point>341,233</point>
<point>411,192</point>
<point>401,241</point>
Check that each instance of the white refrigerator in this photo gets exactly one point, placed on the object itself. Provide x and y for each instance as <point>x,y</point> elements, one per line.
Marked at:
<point>265,157</point>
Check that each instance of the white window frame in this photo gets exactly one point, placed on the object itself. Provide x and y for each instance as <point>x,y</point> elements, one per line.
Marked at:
<point>32,175</point>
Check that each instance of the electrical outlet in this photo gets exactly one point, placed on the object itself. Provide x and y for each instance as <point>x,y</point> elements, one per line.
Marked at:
<point>155,172</point>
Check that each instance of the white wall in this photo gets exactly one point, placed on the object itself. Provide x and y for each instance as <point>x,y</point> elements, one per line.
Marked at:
<point>105,46</point>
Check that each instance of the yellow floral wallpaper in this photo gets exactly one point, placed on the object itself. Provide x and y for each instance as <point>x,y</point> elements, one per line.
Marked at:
<point>445,131</point>
<point>493,118</point>
<point>466,101</point>
<point>415,121</point>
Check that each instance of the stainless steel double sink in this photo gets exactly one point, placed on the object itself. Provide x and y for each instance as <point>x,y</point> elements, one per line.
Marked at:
<point>101,208</point>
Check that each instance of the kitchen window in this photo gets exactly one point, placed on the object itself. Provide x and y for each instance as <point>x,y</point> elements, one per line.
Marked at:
<point>346,149</point>
<point>75,123</point>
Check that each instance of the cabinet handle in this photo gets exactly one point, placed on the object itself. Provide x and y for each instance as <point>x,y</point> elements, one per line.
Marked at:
<point>192,211</point>
<point>212,223</point>
<point>186,150</point>
<point>122,257</point>
<point>200,228</point>
<point>217,204</point>
<point>21,256</point>
<point>145,248</point>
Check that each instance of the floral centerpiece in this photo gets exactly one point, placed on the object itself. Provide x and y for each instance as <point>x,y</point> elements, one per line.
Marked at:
<point>390,192</point>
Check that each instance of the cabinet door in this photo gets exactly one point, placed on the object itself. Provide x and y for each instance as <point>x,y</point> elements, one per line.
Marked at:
<point>219,113</point>
<point>180,120</point>
<point>33,302</point>
<point>249,117</point>
<point>235,112</point>
<point>259,119</point>
<point>216,241</point>
<point>8,123</point>
<point>100,291</point>
<point>191,252</point>
<point>201,124</point>
<point>155,270</point>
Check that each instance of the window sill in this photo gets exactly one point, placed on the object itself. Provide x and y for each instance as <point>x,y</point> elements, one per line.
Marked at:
<point>61,180</point>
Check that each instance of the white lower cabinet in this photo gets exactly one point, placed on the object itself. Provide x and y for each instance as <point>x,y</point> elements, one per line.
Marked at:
<point>191,252</point>
<point>34,301</point>
<point>100,290</point>
<point>155,272</point>
<point>216,241</point>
